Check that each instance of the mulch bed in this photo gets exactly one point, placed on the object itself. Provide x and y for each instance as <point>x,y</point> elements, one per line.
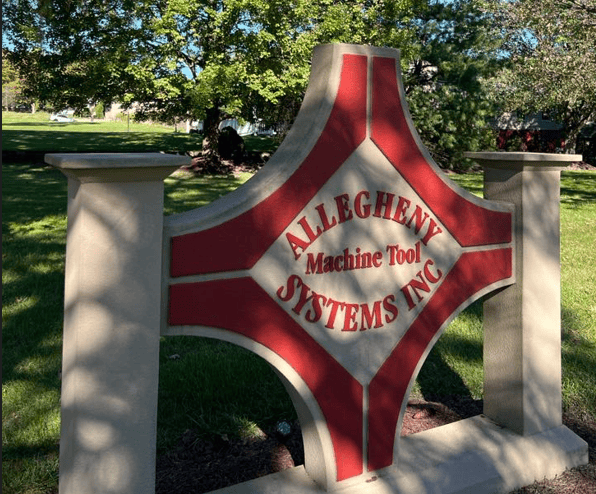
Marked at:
<point>197,466</point>
<point>581,165</point>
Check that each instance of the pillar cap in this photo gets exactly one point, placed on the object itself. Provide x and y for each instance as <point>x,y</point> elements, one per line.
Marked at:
<point>523,160</point>
<point>117,167</point>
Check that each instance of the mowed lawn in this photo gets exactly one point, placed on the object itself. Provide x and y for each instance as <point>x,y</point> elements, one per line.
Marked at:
<point>209,386</point>
<point>35,132</point>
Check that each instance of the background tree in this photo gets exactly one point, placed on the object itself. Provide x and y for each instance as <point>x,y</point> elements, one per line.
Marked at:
<point>214,59</point>
<point>551,53</point>
<point>192,59</point>
<point>73,53</point>
<point>11,84</point>
<point>456,52</point>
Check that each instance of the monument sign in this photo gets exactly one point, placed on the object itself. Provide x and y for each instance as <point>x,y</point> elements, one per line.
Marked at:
<point>340,263</point>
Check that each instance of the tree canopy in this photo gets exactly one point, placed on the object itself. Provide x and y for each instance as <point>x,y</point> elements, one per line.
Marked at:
<point>455,52</point>
<point>214,59</point>
<point>550,50</point>
<point>186,59</point>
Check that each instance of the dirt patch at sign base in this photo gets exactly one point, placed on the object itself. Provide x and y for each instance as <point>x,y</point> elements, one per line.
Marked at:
<point>197,466</point>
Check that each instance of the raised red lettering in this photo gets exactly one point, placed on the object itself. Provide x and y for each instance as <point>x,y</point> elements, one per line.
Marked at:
<point>399,256</point>
<point>390,308</point>
<point>392,249</point>
<point>324,219</point>
<point>350,323</point>
<point>400,211</point>
<point>417,215</point>
<point>366,260</point>
<point>304,291</point>
<point>333,313</point>
<point>348,259</point>
<point>362,211</point>
<point>415,285</point>
<point>314,265</point>
<point>369,317</point>
<point>377,259</point>
<point>312,236</point>
<point>328,265</point>
<point>343,208</point>
<point>420,285</point>
<point>289,288</point>
<point>297,243</point>
<point>384,202</point>
<point>429,276</point>
<point>433,230</point>
<point>337,263</point>
<point>314,314</point>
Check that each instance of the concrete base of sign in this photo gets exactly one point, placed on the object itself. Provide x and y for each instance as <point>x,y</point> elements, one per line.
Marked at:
<point>470,456</point>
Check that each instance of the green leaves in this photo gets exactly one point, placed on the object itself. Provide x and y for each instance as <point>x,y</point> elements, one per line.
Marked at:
<point>452,56</point>
<point>250,59</point>
<point>552,55</point>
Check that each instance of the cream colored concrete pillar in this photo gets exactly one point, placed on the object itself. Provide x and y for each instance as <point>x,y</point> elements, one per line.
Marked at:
<point>111,320</point>
<point>522,323</point>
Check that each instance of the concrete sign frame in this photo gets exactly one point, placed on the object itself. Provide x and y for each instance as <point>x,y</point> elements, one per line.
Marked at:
<point>366,183</point>
<point>340,263</point>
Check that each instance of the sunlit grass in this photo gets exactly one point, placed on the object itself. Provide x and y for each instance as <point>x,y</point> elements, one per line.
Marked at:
<point>578,290</point>
<point>35,132</point>
<point>185,191</point>
<point>40,121</point>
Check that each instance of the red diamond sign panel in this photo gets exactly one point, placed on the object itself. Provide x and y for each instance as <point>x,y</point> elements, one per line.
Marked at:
<point>345,257</point>
<point>342,268</point>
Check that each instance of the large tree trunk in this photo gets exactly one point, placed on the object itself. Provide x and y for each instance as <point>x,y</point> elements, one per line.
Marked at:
<point>212,162</point>
<point>573,121</point>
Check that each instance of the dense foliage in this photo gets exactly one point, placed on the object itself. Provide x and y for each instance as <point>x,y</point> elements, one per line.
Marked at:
<point>455,53</point>
<point>214,59</point>
<point>550,49</point>
<point>12,94</point>
<point>197,59</point>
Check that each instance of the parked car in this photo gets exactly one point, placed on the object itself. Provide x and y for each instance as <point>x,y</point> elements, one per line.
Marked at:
<point>61,117</point>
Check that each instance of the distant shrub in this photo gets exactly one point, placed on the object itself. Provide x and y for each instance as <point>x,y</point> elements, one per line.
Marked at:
<point>99,110</point>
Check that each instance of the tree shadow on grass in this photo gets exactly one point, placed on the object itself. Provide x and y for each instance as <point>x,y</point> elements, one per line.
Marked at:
<point>32,301</point>
<point>578,188</point>
<point>439,382</point>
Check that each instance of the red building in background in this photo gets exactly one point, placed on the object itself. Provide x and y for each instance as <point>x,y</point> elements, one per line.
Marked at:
<point>534,133</point>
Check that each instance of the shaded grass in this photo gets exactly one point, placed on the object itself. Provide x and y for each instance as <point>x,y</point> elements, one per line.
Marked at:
<point>216,389</point>
<point>210,386</point>
<point>99,142</point>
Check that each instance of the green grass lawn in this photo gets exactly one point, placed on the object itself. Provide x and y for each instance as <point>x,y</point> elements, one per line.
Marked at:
<point>35,132</point>
<point>215,388</point>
